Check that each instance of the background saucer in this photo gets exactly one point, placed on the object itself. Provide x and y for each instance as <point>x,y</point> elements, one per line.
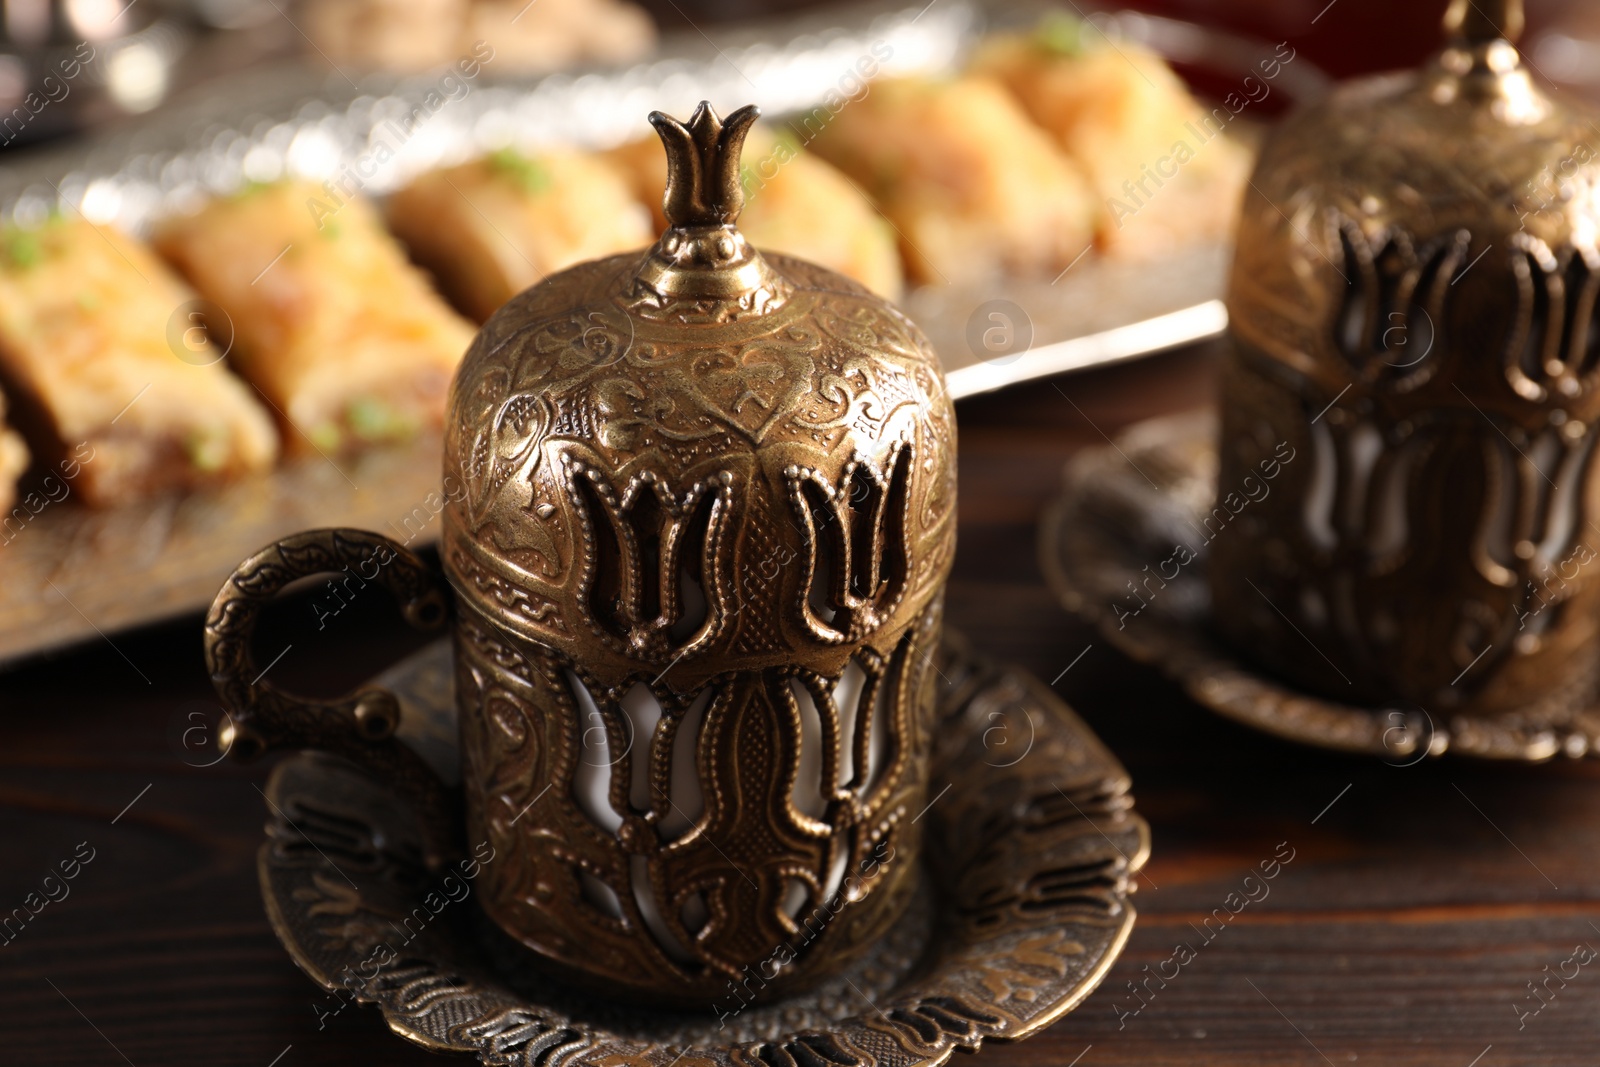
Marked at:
<point>1124,508</point>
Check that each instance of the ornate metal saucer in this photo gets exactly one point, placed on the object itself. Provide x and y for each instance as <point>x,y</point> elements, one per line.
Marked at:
<point>1032,850</point>
<point>1125,546</point>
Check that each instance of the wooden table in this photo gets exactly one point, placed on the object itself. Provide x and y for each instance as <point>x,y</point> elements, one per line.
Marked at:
<point>1419,905</point>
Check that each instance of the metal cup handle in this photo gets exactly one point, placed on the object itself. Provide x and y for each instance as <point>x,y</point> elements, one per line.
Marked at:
<point>360,726</point>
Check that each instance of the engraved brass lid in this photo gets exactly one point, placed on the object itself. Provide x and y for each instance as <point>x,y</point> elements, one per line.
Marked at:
<point>1367,209</point>
<point>754,394</point>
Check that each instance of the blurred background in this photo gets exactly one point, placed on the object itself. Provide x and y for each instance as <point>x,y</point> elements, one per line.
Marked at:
<point>164,50</point>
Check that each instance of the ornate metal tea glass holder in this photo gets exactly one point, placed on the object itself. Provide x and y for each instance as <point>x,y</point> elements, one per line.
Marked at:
<point>1033,843</point>
<point>1129,544</point>
<point>700,509</point>
<point>1413,314</point>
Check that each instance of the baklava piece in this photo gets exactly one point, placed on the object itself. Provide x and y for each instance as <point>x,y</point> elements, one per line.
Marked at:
<point>551,34</point>
<point>112,377</point>
<point>489,229</point>
<point>975,189</point>
<point>13,461</point>
<point>795,204</point>
<point>347,341</point>
<point>518,36</point>
<point>1165,170</point>
<point>401,35</point>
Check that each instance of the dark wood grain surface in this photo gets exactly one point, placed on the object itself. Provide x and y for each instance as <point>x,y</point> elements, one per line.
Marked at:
<point>1419,905</point>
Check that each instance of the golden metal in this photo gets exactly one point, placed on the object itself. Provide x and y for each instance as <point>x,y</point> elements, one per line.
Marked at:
<point>1413,315</point>
<point>1123,546</point>
<point>706,510</point>
<point>361,726</point>
<point>703,255</point>
<point>1024,905</point>
<point>707,472</point>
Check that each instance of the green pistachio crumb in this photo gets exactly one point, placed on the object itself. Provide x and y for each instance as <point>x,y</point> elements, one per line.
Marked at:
<point>252,188</point>
<point>22,249</point>
<point>325,436</point>
<point>1060,33</point>
<point>528,174</point>
<point>372,419</point>
<point>207,450</point>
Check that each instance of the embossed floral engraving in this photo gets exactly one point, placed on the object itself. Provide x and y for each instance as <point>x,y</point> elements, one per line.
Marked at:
<point>708,514</point>
<point>1034,905</point>
<point>1415,317</point>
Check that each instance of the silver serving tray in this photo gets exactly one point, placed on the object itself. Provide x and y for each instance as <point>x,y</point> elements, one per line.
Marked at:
<point>71,573</point>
